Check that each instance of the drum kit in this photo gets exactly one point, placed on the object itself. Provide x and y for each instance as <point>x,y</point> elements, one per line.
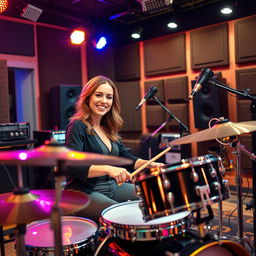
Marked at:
<point>160,221</point>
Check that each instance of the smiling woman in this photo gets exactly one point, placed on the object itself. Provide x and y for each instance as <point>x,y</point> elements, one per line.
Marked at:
<point>94,128</point>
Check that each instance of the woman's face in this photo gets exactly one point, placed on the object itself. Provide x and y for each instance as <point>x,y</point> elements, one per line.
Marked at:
<point>100,102</point>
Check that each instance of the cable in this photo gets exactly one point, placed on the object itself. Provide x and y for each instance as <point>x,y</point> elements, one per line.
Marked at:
<point>9,176</point>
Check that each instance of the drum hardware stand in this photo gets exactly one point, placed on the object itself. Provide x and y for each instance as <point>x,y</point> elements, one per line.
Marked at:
<point>56,210</point>
<point>201,221</point>
<point>101,245</point>
<point>237,151</point>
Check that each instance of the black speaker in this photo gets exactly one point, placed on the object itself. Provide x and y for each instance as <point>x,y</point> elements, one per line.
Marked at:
<point>210,102</point>
<point>63,99</point>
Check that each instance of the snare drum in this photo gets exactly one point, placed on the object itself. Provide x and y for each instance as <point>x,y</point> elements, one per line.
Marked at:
<point>78,237</point>
<point>125,221</point>
<point>189,185</point>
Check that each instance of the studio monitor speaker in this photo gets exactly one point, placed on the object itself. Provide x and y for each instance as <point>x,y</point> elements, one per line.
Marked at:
<point>210,102</point>
<point>63,99</point>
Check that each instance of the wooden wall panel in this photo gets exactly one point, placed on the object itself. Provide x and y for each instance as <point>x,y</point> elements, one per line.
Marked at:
<point>245,40</point>
<point>127,62</point>
<point>59,62</point>
<point>159,84</point>
<point>246,78</point>
<point>4,92</point>
<point>165,55</point>
<point>100,62</point>
<point>129,93</point>
<point>176,89</point>
<point>17,38</point>
<point>209,47</point>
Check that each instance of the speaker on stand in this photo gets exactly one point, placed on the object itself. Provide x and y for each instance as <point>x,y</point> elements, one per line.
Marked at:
<point>63,99</point>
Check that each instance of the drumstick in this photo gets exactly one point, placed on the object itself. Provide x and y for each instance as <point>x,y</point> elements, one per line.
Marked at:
<point>150,161</point>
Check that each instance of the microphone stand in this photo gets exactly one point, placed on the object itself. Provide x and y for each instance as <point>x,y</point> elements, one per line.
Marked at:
<point>182,127</point>
<point>244,94</point>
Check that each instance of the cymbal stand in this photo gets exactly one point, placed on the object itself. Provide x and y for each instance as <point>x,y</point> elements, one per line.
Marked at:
<point>56,210</point>
<point>237,151</point>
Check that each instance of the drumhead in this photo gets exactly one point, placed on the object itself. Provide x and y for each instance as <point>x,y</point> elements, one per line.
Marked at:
<point>129,213</point>
<point>74,230</point>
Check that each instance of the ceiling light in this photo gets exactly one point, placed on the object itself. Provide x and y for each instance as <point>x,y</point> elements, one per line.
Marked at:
<point>172,25</point>
<point>226,10</point>
<point>135,35</point>
<point>3,5</point>
<point>77,36</point>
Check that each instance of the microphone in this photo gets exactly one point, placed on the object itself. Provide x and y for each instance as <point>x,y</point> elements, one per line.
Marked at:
<point>203,77</point>
<point>150,93</point>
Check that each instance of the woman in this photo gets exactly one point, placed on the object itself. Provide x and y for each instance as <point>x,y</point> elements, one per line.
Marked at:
<point>94,128</point>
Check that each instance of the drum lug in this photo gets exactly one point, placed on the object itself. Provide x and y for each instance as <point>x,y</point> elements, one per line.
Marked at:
<point>132,233</point>
<point>213,172</point>
<point>170,199</point>
<point>194,175</point>
<point>138,190</point>
<point>166,182</point>
<point>203,192</point>
<point>226,186</point>
<point>216,186</point>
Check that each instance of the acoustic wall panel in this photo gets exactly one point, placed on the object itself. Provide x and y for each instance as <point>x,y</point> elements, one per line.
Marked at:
<point>246,79</point>
<point>245,38</point>
<point>17,38</point>
<point>213,38</point>
<point>155,115</point>
<point>127,62</point>
<point>165,55</point>
<point>180,111</point>
<point>176,89</point>
<point>129,93</point>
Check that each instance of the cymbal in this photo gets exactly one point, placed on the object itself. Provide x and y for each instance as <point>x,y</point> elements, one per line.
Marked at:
<point>49,155</point>
<point>218,131</point>
<point>37,205</point>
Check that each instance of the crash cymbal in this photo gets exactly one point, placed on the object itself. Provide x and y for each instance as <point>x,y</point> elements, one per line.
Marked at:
<point>219,130</point>
<point>49,155</point>
<point>37,205</point>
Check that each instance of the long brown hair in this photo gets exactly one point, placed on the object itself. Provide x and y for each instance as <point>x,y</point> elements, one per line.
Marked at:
<point>112,121</point>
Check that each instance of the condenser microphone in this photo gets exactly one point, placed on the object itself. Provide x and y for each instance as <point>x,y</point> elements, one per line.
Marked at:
<point>203,77</point>
<point>150,93</point>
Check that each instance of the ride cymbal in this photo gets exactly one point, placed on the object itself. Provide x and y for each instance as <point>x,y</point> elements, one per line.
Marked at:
<point>51,154</point>
<point>37,205</point>
<point>219,130</point>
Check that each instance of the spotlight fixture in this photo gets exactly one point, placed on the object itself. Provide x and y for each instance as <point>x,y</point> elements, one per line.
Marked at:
<point>172,25</point>
<point>31,12</point>
<point>226,10</point>
<point>136,33</point>
<point>3,5</point>
<point>154,5</point>
<point>77,36</point>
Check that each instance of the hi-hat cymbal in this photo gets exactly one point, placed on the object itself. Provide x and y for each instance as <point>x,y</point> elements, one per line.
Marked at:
<point>37,205</point>
<point>49,155</point>
<point>218,131</point>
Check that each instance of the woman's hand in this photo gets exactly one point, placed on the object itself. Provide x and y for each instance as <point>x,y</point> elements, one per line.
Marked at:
<point>141,162</point>
<point>120,175</point>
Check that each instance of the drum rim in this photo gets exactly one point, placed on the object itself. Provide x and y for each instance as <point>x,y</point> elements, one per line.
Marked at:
<point>68,247</point>
<point>138,232</point>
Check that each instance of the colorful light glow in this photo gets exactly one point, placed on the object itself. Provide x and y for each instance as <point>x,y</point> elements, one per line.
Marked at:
<point>3,5</point>
<point>23,156</point>
<point>102,42</point>
<point>77,36</point>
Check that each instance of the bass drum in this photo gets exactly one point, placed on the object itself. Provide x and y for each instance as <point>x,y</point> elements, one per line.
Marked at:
<point>175,246</point>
